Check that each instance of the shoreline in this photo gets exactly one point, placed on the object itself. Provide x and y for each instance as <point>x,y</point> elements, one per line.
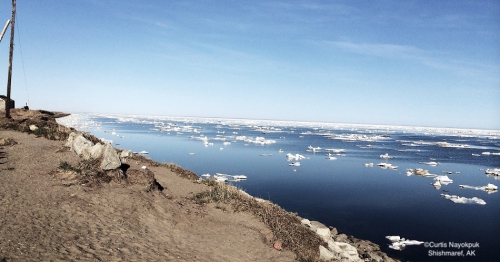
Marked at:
<point>365,249</point>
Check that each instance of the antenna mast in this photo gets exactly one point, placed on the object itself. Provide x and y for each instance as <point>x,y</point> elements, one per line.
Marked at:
<point>11,54</point>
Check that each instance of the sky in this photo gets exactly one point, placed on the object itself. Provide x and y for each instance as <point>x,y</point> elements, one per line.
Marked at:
<point>389,62</point>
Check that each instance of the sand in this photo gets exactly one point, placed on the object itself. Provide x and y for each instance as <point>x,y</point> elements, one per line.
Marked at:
<point>45,217</point>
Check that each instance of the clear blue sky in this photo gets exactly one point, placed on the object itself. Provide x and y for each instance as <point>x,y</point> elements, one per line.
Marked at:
<point>422,63</point>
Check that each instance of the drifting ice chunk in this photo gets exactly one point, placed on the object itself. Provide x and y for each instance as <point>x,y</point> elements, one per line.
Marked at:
<point>464,200</point>
<point>330,157</point>
<point>490,188</point>
<point>313,149</point>
<point>220,177</point>
<point>445,180</point>
<point>386,156</point>
<point>437,184</point>
<point>387,165</point>
<point>290,157</point>
<point>239,177</point>
<point>334,150</point>
<point>419,172</point>
<point>369,164</point>
<point>432,163</point>
<point>399,243</point>
<point>393,238</point>
<point>493,172</point>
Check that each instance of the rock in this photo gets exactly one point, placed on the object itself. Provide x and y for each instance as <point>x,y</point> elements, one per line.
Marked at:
<point>110,159</point>
<point>93,152</point>
<point>340,237</point>
<point>306,222</point>
<point>373,256</point>
<point>71,138</point>
<point>348,252</point>
<point>334,231</point>
<point>334,247</point>
<point>33,128</point>
<point>343,251</point>
<point>78,143</point>
<point>125,154</point>
<point>321,230</point>
<point>326,255</point>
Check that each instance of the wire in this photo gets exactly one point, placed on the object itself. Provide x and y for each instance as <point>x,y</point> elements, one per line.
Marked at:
<point>22,59</point>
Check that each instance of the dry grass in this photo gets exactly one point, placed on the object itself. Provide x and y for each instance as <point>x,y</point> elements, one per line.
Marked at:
<point>7,141</point>
<point>286,226</point>
<point>181,171</point>
<point>22,119</point>
<point>89,173</point>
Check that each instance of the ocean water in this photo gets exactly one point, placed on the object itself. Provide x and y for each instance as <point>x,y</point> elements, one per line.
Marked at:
<point>366,202</point>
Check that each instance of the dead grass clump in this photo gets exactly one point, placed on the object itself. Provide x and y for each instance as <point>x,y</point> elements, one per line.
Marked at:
<point>22,119</point>
<point>89,173</point>
<point>7,142</point>
<point>184,173</point>
<point>49,132</point>
<point>68,167</point>
<point>286,226</point>
<point>144,160</point>
<point>145,178</point>
<point>218,193</point>
<point>94,178</point>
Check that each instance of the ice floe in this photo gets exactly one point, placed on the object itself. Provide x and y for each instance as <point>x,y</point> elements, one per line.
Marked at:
<point>493,172</point>
<point>437,184</point>
<point>330,157</point>
<point>444,180</point>
<point>291,157</point>
<point>419,172</point>
<point>313,149</point>
<point>334,150</point>
<point>464,200</point>
<point>387,165</point>
<point>386,156</point>
<point>431,163</point>
<point>222,178</point>
<point>490,188</point>
<point>399,243</point>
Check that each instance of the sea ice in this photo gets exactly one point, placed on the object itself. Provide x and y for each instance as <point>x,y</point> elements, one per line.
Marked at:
<point>399,243</point>
<point>387,165</point>
<point>493,172</point>
<point>432,163</point>
<point>490,188</point>
<point>445,180</point>
<point>464,200</point>
<point>419,172</point>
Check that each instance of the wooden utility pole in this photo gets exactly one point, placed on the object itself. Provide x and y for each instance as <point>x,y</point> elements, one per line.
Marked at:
<point>11,54</point>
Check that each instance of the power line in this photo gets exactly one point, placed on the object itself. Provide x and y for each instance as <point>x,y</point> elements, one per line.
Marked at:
<point>22,59</point>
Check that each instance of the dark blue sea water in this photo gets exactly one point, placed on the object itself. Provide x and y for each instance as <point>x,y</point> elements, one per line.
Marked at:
<point>366,202</point>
